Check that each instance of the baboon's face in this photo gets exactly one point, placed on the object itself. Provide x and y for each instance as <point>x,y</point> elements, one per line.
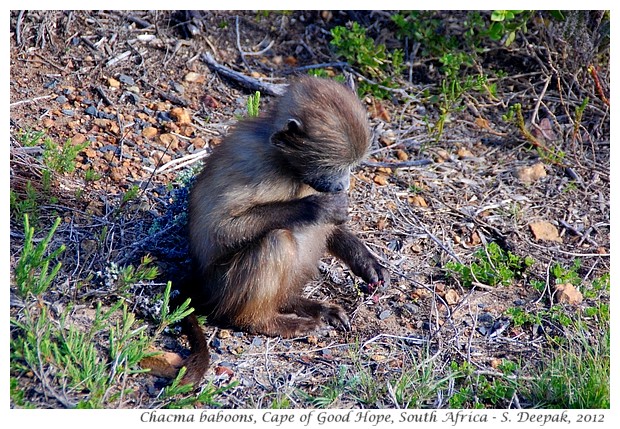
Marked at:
<point>324,165</point>
<point>336,181</point>
<point>322,131</point>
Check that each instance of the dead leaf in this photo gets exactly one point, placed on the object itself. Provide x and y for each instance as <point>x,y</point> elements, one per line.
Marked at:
<point>544,131</point>
<point>567,293</point>
<point>290,61</point>
<point>546,231</point>
<point>113,83</point>
<point>199,142</point>
<point>482,123</point>
<point>475,239</point>
<point>165,364</point>
<point>381,179</point>
<point>378,111</point>
<point>401,155</point>
<point>442,156</point>
<point>464,153</point>
<point>531,174</point>
<point>221,370</point>
<point>78,139</point>
<point>417,200</point>
<point>210,102</point>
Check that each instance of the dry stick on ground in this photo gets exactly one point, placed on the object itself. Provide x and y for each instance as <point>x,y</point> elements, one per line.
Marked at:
<point>248,82</point>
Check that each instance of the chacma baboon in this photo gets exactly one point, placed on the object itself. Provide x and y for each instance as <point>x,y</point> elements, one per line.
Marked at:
<point>270,200</point>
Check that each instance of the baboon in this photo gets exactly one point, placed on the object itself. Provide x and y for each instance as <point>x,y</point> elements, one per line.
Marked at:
<point>270,200</point>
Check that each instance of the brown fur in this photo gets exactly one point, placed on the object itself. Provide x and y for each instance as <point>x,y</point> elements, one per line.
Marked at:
<point>258,223</point>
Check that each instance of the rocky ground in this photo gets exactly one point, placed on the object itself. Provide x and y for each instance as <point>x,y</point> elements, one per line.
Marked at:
<point>135,91</point>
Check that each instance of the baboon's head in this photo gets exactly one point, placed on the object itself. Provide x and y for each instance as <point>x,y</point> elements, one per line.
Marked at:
<point>322,130</point>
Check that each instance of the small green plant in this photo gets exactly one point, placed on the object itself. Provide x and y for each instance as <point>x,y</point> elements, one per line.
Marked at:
<point>477,390</point>
<point>515,117</point>
<point>91,175</point>
<point>61,158</point>
<point>520,316</point>
<point>492,266</point>
<point>372,59</point>
<point>57,352</point>
<point>253,105</point>
<point>178,396</point>
<point>567,275</point>
<point>506,23</point>
<point>330,392</point>
<point>452,91</point>
<point>130,275</point>
<point>27,204</point>
<point>33,275</point>
<point>576,375</point>
<point>166,317</point>
<point>130,194</point>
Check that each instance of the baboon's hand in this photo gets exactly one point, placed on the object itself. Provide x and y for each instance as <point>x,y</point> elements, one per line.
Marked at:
<point>373,273</point>
<point>331,207</point>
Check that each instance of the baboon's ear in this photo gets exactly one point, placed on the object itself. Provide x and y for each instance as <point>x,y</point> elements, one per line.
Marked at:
<point>289,134</point>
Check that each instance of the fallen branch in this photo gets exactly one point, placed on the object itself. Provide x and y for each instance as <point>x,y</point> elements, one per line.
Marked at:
<point>403,164</point>
<point>248,82</point>
<point>31,100</point>
<point>597,84</point>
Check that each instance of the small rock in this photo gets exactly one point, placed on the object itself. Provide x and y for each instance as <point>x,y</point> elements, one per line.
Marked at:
<point>452,297</point>
<point>223,334</point>
<point>170,141</point>
<point>529,175</point>
<point>149,132</point>
<point>257,341</point>
<point>194,77</point>
<point>127,80</point>
<point>181,116</point>
<point>48,123</point>
<point>546,231</point>
<point>464,153</point>
<point>51,84</point>
<point>164,116</point>
<point>178,87</point>
<point>166,364</point>
<point>91,110</point>
<point>567,293</point>
<point>68,112</point>
<point>61,99</point>
<point>113,83</point>
<point>385,314</point>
